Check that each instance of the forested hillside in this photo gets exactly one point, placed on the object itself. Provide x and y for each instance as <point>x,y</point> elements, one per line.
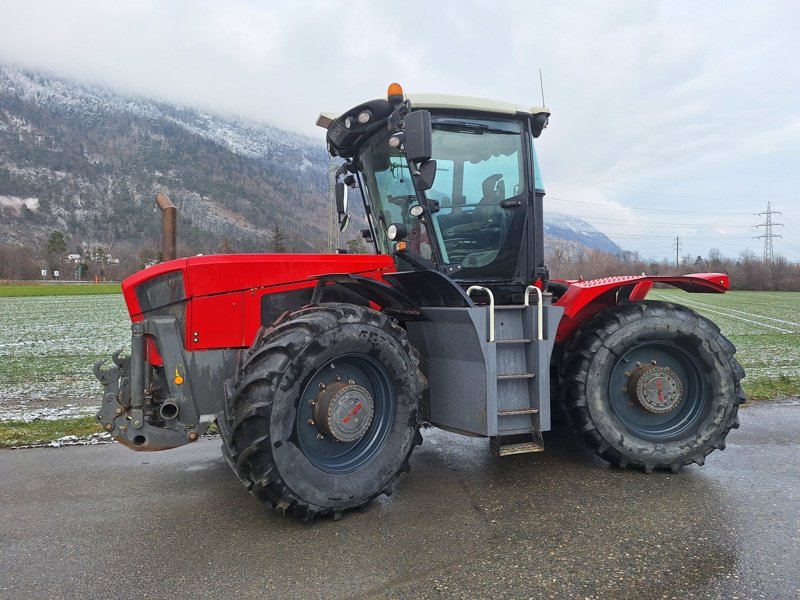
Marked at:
<point>80,167</point>
<point>88,162</point>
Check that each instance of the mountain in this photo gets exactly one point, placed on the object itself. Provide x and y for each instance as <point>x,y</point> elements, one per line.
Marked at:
<point>574,229</point>
<point>87,161</point>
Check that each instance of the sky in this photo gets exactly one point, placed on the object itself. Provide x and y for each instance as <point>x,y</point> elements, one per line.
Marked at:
<point>674,121</point>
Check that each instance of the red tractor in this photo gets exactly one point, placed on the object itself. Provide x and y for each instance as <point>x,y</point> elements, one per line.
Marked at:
<point>320,369</point>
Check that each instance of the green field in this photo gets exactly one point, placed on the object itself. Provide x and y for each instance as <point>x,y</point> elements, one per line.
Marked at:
<point>48,343</point>
<point>12,290</point>
<point>764,326</point>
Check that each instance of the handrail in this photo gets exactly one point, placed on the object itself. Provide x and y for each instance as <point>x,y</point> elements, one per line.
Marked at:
<point>538,311</point>
<point>478,288</point>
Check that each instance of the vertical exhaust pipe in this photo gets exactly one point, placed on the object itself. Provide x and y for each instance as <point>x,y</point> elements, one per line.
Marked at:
<point>169,219</point>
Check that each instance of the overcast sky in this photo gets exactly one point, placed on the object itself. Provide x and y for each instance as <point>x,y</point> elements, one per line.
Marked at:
<point>669,119</point>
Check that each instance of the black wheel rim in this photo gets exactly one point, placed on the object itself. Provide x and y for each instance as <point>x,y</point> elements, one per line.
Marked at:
<point>686,416</point>
<point>323,451</point>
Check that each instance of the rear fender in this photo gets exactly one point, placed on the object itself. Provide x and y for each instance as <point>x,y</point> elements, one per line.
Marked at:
<point>584,299</point>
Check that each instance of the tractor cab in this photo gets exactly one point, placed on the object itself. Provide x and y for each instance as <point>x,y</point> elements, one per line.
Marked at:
<point>449,183</point>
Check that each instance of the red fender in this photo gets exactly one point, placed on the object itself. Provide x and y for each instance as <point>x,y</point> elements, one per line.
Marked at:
<point>584,299</point>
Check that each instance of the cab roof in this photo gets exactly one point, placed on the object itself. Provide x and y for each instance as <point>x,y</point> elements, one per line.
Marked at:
<point>453,102</point>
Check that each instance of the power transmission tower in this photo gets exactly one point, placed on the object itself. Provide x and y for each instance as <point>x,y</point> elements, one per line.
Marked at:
<point>677,251</point>
<point>768,235</point>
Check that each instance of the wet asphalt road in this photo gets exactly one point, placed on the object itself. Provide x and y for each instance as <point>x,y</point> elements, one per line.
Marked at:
<point>105,522</point>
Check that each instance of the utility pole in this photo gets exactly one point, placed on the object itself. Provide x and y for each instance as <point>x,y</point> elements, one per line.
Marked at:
<point>677,251</point>
<point>332,167</point>
<point>768,235</point>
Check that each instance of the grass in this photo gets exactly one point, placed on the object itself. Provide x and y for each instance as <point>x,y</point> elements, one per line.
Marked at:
<point>49,344</point>
<point>768,389</point>
<point>764,327</point>
<point>18,290</point>
<point>22,433</point>
<point>42,431</point>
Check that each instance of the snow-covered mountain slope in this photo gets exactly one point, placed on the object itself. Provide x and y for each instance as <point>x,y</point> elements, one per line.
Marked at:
<point>87,161</point>
<point>575,229</point>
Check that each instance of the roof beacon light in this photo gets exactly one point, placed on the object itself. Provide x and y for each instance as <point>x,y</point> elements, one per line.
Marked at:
<point>395,93</point>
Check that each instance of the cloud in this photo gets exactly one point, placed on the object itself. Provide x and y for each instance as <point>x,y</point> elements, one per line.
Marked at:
<point>693,103</point>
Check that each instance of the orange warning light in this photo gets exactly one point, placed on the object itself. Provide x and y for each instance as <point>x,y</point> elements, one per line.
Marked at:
<point>395,91</point>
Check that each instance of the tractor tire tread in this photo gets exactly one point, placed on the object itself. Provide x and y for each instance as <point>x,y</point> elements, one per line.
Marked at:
<point>581,350</point>
<point>261,369</point>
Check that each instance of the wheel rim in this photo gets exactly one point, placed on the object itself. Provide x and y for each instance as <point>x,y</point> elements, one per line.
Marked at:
<point>370,386</point>
<point>642,373</point>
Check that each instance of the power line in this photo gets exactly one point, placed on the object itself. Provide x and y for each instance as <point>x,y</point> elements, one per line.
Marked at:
<point>655,210</point>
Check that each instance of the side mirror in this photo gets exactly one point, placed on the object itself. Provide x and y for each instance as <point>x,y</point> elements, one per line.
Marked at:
<point>341,198</point>
<point>425,175</point>
<point>538,123</point>
<point>341,205</point>
<point>418,134</point>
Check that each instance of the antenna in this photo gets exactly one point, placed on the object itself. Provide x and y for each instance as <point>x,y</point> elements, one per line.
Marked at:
<point>541,85</point>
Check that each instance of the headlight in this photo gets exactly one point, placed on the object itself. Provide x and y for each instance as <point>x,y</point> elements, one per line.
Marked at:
<point>396,231</point>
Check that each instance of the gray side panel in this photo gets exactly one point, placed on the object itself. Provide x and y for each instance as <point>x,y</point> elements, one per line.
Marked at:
<point>202,391</point>
<point>540,355</point>
<point>461,367</point>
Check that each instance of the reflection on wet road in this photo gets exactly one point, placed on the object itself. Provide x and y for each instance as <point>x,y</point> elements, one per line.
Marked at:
<point>105,522</point>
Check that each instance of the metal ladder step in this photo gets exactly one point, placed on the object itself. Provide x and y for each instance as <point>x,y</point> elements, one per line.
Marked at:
<point>519,341</point>
<point>517,444</point>
<point>513,412</point>
<point>516,376</point>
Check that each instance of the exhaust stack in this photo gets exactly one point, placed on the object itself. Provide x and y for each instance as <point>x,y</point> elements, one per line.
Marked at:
<point>169,218</point>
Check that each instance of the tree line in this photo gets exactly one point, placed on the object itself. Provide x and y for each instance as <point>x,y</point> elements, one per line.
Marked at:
<point>566,261</point>
<point>747,271</point>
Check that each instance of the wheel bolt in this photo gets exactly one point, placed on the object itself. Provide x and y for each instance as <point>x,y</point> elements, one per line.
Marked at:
<point>310,421</point>
<point>109,427</point>
<point>320,436</point>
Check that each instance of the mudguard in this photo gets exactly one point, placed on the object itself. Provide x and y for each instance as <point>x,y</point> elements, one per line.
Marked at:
<point>584,299</point>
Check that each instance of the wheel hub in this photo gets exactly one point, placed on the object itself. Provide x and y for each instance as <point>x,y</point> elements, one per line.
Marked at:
<point>657,389</point>
<point>343,410</point>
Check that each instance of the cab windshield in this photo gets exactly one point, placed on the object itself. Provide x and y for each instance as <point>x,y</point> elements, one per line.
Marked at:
<point>480,189</point>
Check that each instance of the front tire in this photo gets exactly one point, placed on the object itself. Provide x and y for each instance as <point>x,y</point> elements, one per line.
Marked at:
<point>325,410</point>
<point>652,385</point>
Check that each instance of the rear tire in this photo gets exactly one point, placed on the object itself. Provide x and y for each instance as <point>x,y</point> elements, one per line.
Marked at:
<point>652,385</point>
<point>324,412</point>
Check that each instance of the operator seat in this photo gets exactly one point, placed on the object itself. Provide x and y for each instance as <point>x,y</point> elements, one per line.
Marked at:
<point>487,208</point>
<point>494,189</point>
